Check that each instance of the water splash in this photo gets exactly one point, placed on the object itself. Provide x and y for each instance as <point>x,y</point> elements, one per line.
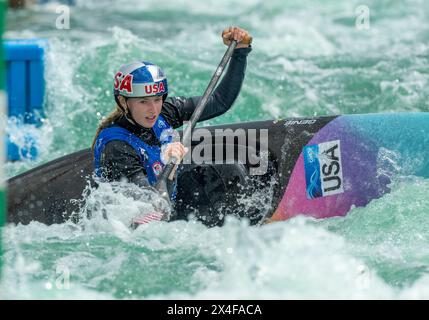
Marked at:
<point>325,66</point>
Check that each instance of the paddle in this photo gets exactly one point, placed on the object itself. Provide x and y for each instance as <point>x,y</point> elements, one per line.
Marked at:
<point>161,184</point>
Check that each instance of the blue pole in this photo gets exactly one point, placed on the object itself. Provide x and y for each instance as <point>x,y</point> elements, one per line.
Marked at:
<point>2,130</point>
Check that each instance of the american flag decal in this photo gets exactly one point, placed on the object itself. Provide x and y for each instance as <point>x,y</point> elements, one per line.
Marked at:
<point>153,216</point>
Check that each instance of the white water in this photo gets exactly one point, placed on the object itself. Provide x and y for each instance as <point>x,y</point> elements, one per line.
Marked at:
<point>308,59</point>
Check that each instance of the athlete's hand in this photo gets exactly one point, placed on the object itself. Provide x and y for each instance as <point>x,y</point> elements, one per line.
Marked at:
<point>174,151</point>
<point>236,33</point>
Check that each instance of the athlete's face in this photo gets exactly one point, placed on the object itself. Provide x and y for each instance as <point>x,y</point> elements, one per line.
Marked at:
<point>145,110</point>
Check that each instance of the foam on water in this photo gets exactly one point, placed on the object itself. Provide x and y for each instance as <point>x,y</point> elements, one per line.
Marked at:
<point>391,233</point>
<point>313,60</point>
<point>377,252</point>
<point>308,59</point>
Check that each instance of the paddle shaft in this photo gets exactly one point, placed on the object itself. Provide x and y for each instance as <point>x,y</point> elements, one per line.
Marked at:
<point>187,134</point>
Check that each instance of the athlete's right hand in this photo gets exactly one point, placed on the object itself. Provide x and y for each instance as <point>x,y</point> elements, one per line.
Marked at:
<point>174,151</point>
<point>235,33</point>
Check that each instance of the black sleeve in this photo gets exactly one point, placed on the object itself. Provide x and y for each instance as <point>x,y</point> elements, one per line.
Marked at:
<point>119,160</point>
<point>176,110</point>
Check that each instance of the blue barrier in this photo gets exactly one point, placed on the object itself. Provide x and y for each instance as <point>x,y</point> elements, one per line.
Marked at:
<point>25,79</point>
<point>26,150</point>
<point>25,85</point>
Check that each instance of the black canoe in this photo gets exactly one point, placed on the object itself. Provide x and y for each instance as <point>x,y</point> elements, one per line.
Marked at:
<point>317,166</point>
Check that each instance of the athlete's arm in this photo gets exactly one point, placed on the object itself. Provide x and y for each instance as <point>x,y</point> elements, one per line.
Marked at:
<point>176,110</point>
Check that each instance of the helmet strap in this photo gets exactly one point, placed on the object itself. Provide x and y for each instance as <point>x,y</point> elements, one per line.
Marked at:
<point>128,114</point>
<point>125,110</point>
<point>118,102</point>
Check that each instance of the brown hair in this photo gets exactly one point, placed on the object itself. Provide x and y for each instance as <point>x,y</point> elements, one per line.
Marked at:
<point>111,118</point>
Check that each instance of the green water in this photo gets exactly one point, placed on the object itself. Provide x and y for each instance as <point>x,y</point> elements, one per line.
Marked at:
<point>308,59</point>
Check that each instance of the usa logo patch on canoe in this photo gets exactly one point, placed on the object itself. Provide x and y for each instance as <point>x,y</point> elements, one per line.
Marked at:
<point>323,169</point>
